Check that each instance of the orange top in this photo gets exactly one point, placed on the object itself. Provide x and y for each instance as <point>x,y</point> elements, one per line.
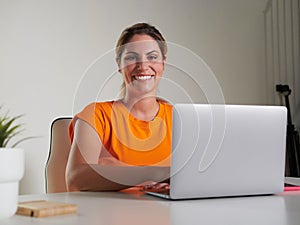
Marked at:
<point>128,139</point>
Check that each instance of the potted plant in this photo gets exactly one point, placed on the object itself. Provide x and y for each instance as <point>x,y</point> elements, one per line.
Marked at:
<point>11,164</point>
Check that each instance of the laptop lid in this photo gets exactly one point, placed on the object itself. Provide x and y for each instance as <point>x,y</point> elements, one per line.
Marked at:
<point>227,150</point>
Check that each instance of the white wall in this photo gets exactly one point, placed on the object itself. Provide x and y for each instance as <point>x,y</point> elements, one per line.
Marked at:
<point>46,46</point>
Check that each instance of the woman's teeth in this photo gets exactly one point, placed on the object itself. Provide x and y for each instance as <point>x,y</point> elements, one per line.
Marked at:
<point>142,77</point>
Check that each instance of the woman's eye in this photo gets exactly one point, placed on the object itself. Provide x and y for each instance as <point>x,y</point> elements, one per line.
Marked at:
<point>130,58</point>
<point>152,57</point>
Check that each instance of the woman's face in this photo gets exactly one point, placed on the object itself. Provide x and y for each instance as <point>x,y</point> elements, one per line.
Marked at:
<point>141,65</point>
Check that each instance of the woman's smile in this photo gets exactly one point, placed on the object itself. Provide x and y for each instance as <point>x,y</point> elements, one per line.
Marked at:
<point>143,77</point>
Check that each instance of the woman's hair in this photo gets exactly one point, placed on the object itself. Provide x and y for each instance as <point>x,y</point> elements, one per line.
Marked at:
<point>129,32</point>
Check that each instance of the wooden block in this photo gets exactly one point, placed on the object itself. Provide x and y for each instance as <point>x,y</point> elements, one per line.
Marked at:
<point>45,208</point>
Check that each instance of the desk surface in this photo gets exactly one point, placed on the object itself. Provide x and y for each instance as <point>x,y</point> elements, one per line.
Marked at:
<point>138,209</point>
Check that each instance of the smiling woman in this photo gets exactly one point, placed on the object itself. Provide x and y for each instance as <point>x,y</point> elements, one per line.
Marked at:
<point>142,65</point>
<point>131,132</point>
<point>147,36</point>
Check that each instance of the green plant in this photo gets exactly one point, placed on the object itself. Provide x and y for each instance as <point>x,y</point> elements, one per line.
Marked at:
<point>8,130</point>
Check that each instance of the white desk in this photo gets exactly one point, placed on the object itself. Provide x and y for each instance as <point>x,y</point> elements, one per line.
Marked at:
<point>107,208</point>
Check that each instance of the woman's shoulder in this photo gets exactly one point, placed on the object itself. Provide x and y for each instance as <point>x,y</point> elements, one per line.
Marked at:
<point>100,105</point>
<point>165,108</point>
<point>165,103</point>
<point>96,108</point>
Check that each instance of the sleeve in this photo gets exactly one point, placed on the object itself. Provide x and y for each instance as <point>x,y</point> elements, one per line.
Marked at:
<point>91,114</point>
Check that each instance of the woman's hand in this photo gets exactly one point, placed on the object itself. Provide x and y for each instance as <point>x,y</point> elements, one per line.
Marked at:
<point>156,187</point>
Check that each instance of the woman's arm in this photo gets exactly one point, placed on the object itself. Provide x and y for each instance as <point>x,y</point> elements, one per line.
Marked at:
<point>85,173</point>
<point>85,152</point>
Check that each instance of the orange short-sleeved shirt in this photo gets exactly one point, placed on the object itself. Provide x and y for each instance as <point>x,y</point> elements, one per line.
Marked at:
<point>128,139</point>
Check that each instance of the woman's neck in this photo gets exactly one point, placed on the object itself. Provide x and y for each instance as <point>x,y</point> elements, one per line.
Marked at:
<point>145,108</point>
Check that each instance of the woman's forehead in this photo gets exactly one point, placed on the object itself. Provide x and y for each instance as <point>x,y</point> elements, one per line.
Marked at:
<point>142,46</point>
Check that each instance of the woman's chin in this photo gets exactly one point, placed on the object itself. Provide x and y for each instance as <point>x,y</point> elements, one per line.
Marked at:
<point>145,87</point>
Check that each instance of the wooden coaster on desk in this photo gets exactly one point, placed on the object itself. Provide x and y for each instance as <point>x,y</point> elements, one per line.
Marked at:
<point>45,208</point>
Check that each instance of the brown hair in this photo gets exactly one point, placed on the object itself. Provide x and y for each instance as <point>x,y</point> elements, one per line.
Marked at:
<point>129,32</point>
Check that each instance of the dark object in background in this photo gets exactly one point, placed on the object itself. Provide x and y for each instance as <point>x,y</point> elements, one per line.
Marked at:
<point>292,168</point>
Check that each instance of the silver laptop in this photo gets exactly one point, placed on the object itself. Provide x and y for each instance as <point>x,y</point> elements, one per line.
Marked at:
<point>226,150</point>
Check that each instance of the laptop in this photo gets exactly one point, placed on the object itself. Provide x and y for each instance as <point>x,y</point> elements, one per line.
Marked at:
<point>226,150</point>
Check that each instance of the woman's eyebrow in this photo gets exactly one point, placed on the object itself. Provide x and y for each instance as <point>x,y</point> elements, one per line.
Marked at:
<point>131,53</point>
<point>153,51</point>
<point>148,53</point>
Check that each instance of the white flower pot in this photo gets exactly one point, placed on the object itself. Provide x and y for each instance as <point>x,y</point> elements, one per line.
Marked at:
<point>11,172</point>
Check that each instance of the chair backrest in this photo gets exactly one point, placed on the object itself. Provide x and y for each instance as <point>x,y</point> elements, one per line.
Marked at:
<point>58,155</point>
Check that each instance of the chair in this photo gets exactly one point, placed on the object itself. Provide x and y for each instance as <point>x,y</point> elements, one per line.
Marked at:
<point>58,156</point>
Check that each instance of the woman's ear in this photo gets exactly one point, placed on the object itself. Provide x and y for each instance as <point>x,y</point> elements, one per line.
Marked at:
<point>119,66</point>
<point>164,60</point>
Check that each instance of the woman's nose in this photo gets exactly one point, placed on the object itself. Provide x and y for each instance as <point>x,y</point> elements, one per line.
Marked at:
<point>142,64</point>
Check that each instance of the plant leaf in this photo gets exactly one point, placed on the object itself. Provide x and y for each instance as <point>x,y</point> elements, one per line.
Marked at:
<point>23,139</point>
<point>8,130</point>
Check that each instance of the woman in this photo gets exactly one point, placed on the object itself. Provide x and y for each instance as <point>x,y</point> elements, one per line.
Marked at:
<point>128,133</point>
